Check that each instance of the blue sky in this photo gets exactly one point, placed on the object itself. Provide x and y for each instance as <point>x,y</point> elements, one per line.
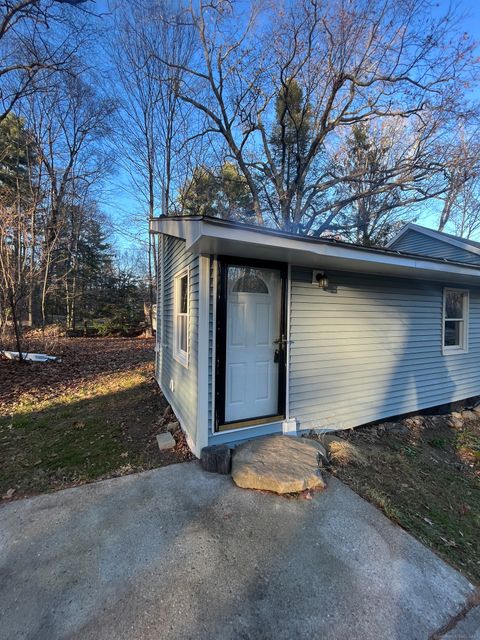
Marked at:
<point>471,9</point>
<point>123,207</point>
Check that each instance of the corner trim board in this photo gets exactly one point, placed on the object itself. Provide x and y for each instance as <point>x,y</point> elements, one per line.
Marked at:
<point>202,361</point>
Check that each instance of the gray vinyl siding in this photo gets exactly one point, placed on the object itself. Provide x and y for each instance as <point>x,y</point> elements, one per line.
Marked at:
<point>415,242</point>
<point>373,350</point>
<point>184,398</point>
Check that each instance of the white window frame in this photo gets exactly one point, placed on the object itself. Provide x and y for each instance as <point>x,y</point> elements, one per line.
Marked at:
<point>463,347</point>
<point>179,354</point>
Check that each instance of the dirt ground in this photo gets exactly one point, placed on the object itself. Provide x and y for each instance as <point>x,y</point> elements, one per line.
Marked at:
<point>92,415</point>
<point>424,473</point>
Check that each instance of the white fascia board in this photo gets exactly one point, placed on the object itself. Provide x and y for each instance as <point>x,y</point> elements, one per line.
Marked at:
<point>184,229</point>
<point>210,238</point>
<point>431,233</point>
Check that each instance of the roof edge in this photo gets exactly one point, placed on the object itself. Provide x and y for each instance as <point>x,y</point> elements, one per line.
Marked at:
<point>437,235</point>
<point>193,231</point>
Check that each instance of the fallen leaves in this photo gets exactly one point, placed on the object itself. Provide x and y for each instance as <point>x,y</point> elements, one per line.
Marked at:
<point>84,361</point>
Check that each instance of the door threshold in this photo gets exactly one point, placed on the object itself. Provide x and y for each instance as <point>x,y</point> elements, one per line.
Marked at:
<point>246,424</point>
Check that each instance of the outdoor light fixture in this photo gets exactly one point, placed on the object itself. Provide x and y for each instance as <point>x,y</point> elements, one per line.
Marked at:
<point>320,278</point>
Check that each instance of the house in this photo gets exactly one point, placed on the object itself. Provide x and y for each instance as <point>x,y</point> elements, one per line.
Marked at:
<point>262,331</point>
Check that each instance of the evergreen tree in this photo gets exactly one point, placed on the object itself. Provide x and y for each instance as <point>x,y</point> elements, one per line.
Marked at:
<point>292,129</point>
<point>223,193</point>
<point>17,220</point>
<point>17,160</point>
<point>290,139</point>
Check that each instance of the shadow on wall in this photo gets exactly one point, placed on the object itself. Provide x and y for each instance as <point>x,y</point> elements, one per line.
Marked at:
<point>420,377</point>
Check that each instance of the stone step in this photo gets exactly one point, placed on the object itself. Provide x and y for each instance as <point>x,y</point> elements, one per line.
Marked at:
<point>281,464</point>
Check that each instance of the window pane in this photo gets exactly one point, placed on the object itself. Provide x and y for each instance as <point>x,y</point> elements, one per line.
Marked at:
<point>247,279</point>
<point>453,304</point>
<point>453,333</point>
<point>184,294</point>
<point>182,332</point>
<point>250,283</point>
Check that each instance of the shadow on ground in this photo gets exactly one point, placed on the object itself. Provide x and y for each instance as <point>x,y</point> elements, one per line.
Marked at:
<point>177,553</point>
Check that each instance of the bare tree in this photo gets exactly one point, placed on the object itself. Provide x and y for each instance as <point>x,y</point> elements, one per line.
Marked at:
<point>70,124</point>
<point>353,63</point>
<point>462,171</point>
<point>151,115</point>
<point>375,205</point>
<point>29,46</point>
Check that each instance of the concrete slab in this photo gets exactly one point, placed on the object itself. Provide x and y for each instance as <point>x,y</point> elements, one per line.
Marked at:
<point>179,553</point>
<point>466,629</point>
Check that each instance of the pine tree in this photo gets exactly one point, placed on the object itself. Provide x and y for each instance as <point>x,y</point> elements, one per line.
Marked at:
<point>292,129</point>
<point>223,193</point>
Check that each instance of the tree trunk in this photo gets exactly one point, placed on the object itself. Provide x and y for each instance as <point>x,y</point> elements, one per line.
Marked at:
<point>148,316</point>
<point>16,328</point>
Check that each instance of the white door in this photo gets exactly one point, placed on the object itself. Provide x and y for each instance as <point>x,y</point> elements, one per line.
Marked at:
<point>253,325</point>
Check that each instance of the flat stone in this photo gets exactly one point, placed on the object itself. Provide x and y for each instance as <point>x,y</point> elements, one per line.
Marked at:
<point>415,421</point>
<point>466,629</point>
<point>396,427</point>
<point>173,427</point>
<point>165,441</point>
<point>469,415</point>
<point>281,464</point>
<point>455,421</point>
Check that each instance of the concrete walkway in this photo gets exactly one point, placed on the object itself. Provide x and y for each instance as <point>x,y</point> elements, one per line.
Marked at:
<point>177,553</point>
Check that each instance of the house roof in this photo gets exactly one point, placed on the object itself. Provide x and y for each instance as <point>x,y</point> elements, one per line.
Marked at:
<point>464,243</point>
<point>214,236</point>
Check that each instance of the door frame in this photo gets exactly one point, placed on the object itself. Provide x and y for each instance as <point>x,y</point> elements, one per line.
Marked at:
<point>221,342</point>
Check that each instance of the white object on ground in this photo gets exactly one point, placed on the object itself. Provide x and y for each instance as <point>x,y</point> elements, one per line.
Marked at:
<point>165,441</point>
<point>32,357</point>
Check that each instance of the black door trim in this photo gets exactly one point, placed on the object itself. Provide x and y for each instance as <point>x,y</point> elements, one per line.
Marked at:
<point>221,341</point>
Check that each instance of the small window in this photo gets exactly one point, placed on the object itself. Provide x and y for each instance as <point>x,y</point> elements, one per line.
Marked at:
<point>250,283</point>
<point>180,320</point>
<point>455,320</point>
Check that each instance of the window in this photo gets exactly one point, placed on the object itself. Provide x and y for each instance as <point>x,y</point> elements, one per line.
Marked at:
<point>246,280</point>
<point>455,320</point>
<point>250,284</point>
<point>180,319</point>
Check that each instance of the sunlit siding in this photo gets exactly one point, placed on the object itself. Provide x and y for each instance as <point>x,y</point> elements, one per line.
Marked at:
<point>415,242</point>
<point>373,349</point>
<point>184,397</point>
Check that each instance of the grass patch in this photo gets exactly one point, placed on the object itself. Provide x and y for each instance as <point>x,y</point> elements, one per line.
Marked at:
<point>74,439</point>
<point>342,453</point>
<point>428,483</point>
<point>100,426</point>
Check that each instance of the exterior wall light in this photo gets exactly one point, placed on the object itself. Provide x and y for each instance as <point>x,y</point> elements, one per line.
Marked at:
<point>320,278</point>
